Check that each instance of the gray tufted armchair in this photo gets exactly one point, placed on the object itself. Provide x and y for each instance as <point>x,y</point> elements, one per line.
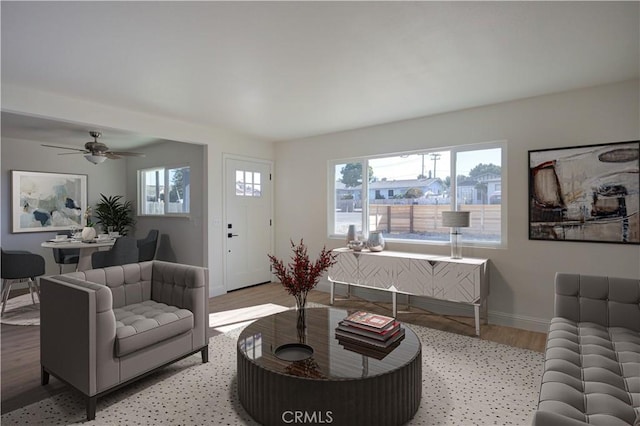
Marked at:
<point>103,328</point>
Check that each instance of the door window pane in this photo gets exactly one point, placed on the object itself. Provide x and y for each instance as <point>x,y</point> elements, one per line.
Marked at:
<point>248,183</point>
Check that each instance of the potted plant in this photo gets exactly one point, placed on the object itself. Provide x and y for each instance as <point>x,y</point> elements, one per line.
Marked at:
<point>111,212</point>
<point>88,232</point>
<point>301,275</point>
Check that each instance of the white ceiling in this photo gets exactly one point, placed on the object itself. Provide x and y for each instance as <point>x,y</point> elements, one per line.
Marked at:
<point>283,70</point>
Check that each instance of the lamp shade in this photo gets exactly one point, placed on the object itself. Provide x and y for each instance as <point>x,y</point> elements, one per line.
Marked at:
<point>456,219</point>
<point>95,159</point>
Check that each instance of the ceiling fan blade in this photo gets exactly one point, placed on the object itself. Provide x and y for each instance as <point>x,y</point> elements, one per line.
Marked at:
<point>127,154</point>
<point>72,153</point>
<point>64,147</point>
<point>112,155</point>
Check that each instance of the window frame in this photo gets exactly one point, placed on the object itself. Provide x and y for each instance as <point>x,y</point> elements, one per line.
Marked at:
<point>141,192</point>
<point>454,151</point>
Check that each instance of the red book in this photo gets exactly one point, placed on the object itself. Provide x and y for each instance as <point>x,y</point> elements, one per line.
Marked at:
<point>371,321</point>
<point>382,335</point>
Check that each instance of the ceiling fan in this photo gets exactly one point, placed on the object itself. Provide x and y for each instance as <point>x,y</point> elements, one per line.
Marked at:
<point>97,152</point>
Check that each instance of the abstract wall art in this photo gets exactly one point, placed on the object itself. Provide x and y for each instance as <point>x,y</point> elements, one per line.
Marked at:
<point>47,201</point>
<point>585,193</point>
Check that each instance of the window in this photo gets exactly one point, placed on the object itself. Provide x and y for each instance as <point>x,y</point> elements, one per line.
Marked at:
<point>248,184</point>
<point>403,195</point>
<point>164,191</point>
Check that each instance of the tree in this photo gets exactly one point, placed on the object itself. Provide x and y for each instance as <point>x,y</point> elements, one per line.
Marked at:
<point>483,169</point>
<point>176,191</point>
<point>352,174</point>
<point>447,182</point>
<point>413,193</point>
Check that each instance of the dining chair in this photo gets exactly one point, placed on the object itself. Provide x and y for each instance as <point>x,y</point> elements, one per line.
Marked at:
<point>18,266</point>
<point>147,246</point>
<point>66,256</point>
<point>124,250</point>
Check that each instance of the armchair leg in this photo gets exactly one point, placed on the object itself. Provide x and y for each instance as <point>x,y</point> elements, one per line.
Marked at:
<point>205,354</point>
<point>30,284</point>
<point>36,285</point>
<point>5,294</point>
<point>44,376</point>
<point>91,407</point>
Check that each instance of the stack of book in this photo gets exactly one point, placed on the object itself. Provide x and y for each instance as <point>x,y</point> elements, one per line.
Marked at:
<point>369,334</point>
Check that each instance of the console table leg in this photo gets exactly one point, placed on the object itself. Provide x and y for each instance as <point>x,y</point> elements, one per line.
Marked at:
<point>485,311</point>
<point>333,286</point>
<point>476,309</point>
<point>394,303</point>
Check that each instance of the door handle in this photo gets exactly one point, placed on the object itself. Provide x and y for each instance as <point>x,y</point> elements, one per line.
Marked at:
<point>230,235</point>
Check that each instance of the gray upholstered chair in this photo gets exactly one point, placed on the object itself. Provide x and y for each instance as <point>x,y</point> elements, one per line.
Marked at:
<point>19,266</point>
<point>69,256</point>
<point>124,250</point>
<point>147,246</point>
<point>104,328</point>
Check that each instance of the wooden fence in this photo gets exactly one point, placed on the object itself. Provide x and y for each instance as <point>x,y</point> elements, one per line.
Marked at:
<point>485,218</point>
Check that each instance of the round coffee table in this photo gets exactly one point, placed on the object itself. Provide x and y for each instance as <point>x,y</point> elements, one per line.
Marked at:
<point>339,384</point>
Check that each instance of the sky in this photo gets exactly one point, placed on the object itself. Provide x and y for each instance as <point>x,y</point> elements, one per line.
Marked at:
<point>409,167</point>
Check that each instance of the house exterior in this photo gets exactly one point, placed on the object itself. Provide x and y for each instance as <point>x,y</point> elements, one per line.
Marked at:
<point>391,192</point>
<point>485,189</point>
<point>396,189</point>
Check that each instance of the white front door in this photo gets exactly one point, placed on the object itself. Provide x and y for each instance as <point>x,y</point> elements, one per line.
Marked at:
<point>248,222</point>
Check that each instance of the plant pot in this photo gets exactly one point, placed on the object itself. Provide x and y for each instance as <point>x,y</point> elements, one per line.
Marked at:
<point>88,233</point>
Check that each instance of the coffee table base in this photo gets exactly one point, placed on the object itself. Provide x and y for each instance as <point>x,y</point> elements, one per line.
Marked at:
<point>274,399</point>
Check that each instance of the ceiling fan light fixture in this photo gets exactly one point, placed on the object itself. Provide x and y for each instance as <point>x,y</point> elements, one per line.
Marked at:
<point>95,159</point>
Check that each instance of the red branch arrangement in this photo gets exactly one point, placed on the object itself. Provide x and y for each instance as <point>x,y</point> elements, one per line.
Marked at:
<point>301,275</point>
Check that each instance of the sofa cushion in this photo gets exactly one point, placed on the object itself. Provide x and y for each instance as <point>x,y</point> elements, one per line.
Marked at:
<point>592,373</point>
<point>143,324</point>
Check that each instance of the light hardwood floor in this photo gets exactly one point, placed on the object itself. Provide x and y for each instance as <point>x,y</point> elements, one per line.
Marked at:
<point>21,344</point>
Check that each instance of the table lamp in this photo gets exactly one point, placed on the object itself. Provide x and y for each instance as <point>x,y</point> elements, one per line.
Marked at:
<point>456,220</point>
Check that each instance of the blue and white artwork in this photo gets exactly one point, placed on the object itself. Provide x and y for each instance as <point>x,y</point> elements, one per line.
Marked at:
<point>47,201</point>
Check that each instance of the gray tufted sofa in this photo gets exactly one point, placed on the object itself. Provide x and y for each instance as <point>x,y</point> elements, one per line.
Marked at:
<point>104,328</point>
<point>592,362</point>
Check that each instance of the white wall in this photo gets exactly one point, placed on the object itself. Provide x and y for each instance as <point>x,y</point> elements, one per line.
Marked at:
<point>521,291</point>
<point>216,142</point>
<point>107,178</point>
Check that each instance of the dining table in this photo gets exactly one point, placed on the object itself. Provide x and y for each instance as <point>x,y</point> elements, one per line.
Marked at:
<point>87,248</point>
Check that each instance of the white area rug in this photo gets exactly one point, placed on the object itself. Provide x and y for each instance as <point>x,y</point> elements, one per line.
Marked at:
<point>20,310</point>
<point>466,381</point>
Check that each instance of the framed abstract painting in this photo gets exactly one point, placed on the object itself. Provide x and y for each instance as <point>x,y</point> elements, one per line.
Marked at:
<point>43,201</point>
<point>585,193</point>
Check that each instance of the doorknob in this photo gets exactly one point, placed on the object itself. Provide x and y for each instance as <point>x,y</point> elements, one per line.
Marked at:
<point>230,235</point>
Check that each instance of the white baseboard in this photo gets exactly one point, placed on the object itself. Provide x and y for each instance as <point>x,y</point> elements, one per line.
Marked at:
<point>442,307</point>
<point>519,321</point>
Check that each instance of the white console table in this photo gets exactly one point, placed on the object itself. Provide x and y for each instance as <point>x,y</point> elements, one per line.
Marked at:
<point>438,277</point>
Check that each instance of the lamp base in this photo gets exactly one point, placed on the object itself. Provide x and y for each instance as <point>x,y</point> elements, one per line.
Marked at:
<point>456,247</point>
